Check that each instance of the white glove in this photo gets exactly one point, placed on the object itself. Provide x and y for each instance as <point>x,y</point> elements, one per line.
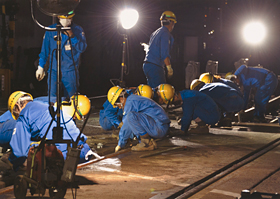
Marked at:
<point>117,148</point>
<point>89,153</point>
<point>40,73</point>
<point>169,71</point>
<point>146,47</point>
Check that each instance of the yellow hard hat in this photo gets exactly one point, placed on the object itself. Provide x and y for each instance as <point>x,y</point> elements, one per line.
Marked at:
<point>81,105</point>
<point>113,94</point>
<point>195,83</point>
<point>13,99</point>
<point>66,109</point>
<point>145,91</point>
<point>228,74</point>
<point>69,15</point>
<point>206,77</point>
<point>166,92</point>
<point>168,15</point>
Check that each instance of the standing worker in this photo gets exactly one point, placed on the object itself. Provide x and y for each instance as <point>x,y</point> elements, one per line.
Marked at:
<point>158,51</point>
<point>73,43</point>
<point>263,80</point>
<point>142,117</point>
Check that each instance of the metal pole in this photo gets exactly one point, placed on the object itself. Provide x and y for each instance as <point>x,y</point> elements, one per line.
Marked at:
<point>122,84</point>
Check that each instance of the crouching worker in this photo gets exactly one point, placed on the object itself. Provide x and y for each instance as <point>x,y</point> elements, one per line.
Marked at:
<point>196,106</point>
<point>32,120</point>
<point>110,116</point>
<point>142,117</point>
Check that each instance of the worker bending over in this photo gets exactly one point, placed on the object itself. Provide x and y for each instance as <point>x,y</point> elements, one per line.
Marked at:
<point>196,106</point>
<point>227,98</point>
<point>263,80</point>
<point>142,117</point>
<point>32,121</point>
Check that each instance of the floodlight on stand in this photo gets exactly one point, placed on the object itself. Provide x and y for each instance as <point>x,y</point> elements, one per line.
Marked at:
<point>128,18</point>
<point>254,32</point>
<point>57,7</point>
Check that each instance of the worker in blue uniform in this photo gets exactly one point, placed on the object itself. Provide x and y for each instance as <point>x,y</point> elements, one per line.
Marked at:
<point>73,43</point>
<point>227,98</point>
<point>158,51</point>
<point>111,117</point>
<point>142,117</point>
<point>196,106</point>
<point>265,83</point>
<point>32,121</point>
<point>210,78</point>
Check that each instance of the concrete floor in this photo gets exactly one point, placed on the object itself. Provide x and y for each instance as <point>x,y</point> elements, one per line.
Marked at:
<point>130,176</point>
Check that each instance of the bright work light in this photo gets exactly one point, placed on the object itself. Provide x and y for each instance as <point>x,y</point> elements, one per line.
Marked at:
<point>254,32</point>
<point>129,18</point>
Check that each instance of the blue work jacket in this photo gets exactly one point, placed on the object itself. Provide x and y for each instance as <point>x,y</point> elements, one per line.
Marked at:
<point>33,122</point>
<point>113,115</point>
<point>49,44</point>
<point>160,44</point>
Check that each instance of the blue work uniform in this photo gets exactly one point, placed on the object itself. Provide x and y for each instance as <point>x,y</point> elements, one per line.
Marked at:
<point>227,98</point>
<point>142,115</point>
<point>33,123</point>
<point>7,124</point>
<point>109,116</point>
<point>160,44</point>
<point>230,83</point>
<point>263,80</point>
<point>78,45</point>
<point>198,105</point>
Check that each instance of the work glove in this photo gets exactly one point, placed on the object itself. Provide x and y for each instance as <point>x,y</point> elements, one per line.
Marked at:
<point>169,71</point>
<point>146,47</point>
<point>120,125</point>
<point>117,148</point>
<point>40,73</point>
<point>89,154</point>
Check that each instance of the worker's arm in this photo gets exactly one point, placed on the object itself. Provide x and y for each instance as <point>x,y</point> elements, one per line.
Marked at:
<point>78,39</point>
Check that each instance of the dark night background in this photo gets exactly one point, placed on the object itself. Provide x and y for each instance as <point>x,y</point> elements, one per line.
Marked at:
<point>102,59</point>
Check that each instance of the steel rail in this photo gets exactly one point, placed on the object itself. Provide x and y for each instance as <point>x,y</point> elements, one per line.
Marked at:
<point>217,175</point>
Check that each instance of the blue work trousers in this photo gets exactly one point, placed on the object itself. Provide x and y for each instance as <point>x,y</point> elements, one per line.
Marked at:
<point>140,124</point>
<point>207,115</point>
<point>264,93</point>
<point>68,79</point>
<point>155,74</point>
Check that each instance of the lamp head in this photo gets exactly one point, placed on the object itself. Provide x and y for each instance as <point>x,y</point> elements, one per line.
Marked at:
<point>57,7</point>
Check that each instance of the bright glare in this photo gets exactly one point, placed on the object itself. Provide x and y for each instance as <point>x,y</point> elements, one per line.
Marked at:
<point>129,18</point>
<point>254,32</point>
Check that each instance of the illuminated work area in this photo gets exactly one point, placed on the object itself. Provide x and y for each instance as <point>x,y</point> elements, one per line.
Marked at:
<point>139,99</point>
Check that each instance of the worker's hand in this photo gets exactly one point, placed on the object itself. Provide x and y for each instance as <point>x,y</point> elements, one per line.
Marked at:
<point>120,125</point>
<point>117,148</point>
<point>169,71</point>
<point>146,47</point>
<point>89,154</point>
<point>40,73</point>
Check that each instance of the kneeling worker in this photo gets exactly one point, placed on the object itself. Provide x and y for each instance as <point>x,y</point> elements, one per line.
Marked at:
<point>142,117</point>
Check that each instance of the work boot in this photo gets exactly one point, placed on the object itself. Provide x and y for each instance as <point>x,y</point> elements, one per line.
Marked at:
<point>146,144</point>
<point>199,130</point>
